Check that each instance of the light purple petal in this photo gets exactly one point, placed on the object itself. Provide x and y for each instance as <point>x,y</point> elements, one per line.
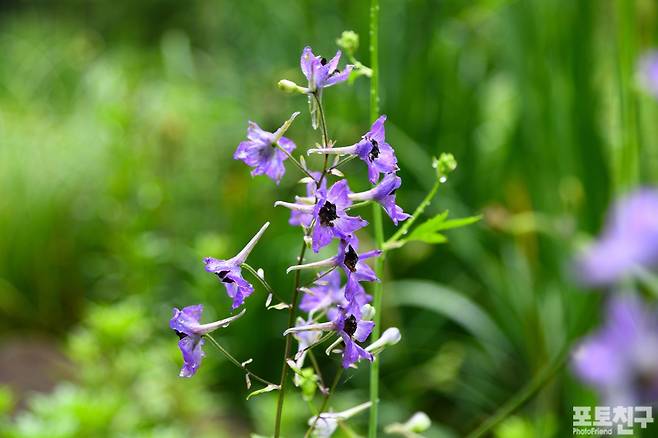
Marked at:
<point>191,348</point>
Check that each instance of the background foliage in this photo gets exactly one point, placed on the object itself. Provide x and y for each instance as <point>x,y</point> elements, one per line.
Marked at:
<point>117,126</point>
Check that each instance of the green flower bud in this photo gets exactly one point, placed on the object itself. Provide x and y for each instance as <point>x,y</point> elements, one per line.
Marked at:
<point>348,41</point>
<point>291,87</point>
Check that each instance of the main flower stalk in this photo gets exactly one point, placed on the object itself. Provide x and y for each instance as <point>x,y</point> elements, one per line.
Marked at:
<point>295,293</point>
<point>377,219</point>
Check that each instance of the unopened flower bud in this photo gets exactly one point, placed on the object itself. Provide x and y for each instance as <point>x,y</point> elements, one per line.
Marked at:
<point>368,312</point>
<point>348,41</point>
<point>418,423</point>
<point>391,336</point>
<point>291,87</point>
<point>444,165</point>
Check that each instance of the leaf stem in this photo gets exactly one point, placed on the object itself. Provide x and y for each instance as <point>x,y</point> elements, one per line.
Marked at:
<point>237,362</point>
<point>286,353</point>
<point>295,294</point>
<point>294,160</point>
<point>404,229</point>
<point>325,402</point>
<point>262,281</point>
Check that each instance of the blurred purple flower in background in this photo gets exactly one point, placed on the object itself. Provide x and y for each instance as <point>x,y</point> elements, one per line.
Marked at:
<point>629,240</point>
<point>186,324</point>
<point>647,72</point>
<point>621,359</point>
<point>325,293</point>
<point>229,271</point>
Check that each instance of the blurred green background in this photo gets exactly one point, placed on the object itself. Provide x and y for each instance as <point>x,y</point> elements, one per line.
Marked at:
<point>117,126</point>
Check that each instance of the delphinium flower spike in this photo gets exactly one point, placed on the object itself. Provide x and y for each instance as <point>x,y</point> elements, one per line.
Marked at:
<point>186,324</point>
<point>265,151</point>
<point>629,240</point>
<point>229,271</point>
<point>372,150</point>
<point>384,194</point>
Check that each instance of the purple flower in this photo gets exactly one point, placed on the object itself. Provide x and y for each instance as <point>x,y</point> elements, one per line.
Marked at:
<point>621,359</point>
<point>629,240</point>
<point>356,271</point>
<point>190,331</point>
<point>261,153</point>
<point>351,328</point>
<point>229,271</point>
<point>384,194</point>
<point>372,149</point>
<point>329,217</point>
<point>648,72</point>
<point>320,73</point>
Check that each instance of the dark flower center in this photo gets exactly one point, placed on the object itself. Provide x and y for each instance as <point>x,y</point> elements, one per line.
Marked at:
<point>350,325</point>
<point>327,214</point>
<point>181,335</point>
<point>323,61</point>
<point>223,276</point>
<point>374,152</point>
<point>351,258</point>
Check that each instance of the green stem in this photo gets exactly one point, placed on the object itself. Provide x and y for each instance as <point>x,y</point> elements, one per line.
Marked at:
<point>343,161</point>
<point>265,284</point>
<point>316,367</point>
<point>324,274</point>
<point>377,219</point>
<point>359,204</point>
<point>404,229</point>
<point>237,362</point>
<point>325,138</point>
<point>325,402</point>
<point>295,294</point>
<point>284,366</point>
<point>526,393</point>
<point>629,154</point>
<point>294,160</point>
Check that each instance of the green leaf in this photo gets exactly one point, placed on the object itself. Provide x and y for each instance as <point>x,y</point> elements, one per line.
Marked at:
<point>268,388</point>
<point>428,231</point>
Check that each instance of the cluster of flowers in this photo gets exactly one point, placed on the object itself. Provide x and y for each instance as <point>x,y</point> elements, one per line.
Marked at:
<point>323,213</point>
<point>621,359</point>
